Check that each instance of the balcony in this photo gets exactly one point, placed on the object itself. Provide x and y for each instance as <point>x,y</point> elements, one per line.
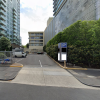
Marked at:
<point>2,7</point>
<point>14,20</point>
<point>15,24</point>
<point>2,12</point>
<point>14,9</point>
<point>15,31</point>
<point>2,22</point>
<point>2,33</point>
<point>3,2</point>
<point>14,38</point>
<point>14,27</point>
<point>2,17</point>
<point>14,13</point>
<point>3,28</point>
<point>15,35</point>
<point>15,17</point>
<point>14,42</point>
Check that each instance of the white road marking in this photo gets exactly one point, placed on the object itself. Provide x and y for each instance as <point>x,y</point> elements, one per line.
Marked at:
<point>40,63</point>
<point>18,60</point>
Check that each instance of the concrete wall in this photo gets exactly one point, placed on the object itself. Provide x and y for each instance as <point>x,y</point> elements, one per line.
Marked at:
<point>97,9</point>
<point>72,11</point>
<point>49,20</point>
<point>49,32</point>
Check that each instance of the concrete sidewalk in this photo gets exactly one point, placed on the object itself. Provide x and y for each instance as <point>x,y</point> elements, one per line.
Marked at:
<point>9,72</point>
<point>90,77</point>
<point>47,76</point>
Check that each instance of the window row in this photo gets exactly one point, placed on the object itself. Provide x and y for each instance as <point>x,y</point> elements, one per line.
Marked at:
<point>36,40</point>
<point>36,34</point>
<point>38,44</point>
<point>36,37</point>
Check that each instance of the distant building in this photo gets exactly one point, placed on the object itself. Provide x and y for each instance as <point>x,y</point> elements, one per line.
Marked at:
<point>36,41</point>
<point>10,21</point>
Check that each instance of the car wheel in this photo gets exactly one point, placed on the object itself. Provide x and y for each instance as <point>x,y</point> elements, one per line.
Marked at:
<point>15,56</point>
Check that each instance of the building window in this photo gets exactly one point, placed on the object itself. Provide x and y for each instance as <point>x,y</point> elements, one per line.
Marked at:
<point>32,37</point>
<point>41,44</point>
<point>41,37</point>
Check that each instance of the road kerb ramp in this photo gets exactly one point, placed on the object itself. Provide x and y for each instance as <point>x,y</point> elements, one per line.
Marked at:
<point>68,67</point>
<point>16,65</point>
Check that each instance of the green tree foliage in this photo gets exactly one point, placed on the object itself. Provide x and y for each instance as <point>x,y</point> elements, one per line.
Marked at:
<point>5,44</point>
<point>44,48</point>
<point>23,46</point>
<point>27,45</point>
<point>52,51</point>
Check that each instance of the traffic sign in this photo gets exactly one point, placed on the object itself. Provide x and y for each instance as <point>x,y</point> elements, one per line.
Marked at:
<point>63,45</point>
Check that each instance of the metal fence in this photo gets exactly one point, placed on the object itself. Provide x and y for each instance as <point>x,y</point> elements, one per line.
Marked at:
<point>6,58</point>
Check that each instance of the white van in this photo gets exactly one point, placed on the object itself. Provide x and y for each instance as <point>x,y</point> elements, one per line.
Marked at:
<point>19,53</point>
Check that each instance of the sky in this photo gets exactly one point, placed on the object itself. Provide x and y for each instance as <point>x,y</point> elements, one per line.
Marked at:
<point>33,16</point>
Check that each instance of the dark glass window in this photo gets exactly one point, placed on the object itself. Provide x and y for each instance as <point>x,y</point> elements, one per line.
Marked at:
<point>32,37</point>
<point>63,49</point>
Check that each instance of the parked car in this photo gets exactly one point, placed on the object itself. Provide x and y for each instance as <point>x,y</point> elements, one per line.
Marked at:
<point>27,52</point>
<point>19,53</point>
<point>40,52</point>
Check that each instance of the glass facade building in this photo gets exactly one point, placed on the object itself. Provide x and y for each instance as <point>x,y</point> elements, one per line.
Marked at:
<point>10,20</point>
<point>57,5</point>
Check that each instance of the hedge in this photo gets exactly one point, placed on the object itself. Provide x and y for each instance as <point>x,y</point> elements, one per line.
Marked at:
<point>53,51</point>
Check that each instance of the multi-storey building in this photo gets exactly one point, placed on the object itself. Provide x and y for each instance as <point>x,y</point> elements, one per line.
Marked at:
<point>57,5</point>
<point>10,20</point>
<point>66,12</point>
<point>36,41</point>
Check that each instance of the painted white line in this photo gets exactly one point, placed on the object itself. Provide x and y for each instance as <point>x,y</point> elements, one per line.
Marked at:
<point>40,63</point>
<point>19,60</point>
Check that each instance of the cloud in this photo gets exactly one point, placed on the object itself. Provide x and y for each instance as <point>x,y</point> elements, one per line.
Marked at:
<point>33,17</point>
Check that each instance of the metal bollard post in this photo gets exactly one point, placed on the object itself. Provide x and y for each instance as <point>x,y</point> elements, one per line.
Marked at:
<point>64,63</point>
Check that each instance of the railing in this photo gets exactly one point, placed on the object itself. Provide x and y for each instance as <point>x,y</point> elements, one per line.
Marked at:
<point>3,2</point>
<point>1,11</point>
<point>4,8</point>
<point>2,33</point>
<point>2,22</point>
<point>2,27</point>
<point>6,58</point>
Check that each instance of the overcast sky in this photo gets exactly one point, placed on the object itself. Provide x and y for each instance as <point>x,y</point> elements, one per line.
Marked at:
<point>33,16</point>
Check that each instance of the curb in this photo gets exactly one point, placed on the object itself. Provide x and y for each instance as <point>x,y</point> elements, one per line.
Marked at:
<point>67,67</point>
<point>81,81</point>
<point>8,79</point>
<point>16,65</point>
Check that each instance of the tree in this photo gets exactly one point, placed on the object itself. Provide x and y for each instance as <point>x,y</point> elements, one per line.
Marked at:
<point>27,45</point>
<point>5,44</point>
<point>23,46</point>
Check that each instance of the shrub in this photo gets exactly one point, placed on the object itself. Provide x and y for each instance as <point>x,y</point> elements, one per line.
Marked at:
<point>3,56</point>
<point>44,48</point>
